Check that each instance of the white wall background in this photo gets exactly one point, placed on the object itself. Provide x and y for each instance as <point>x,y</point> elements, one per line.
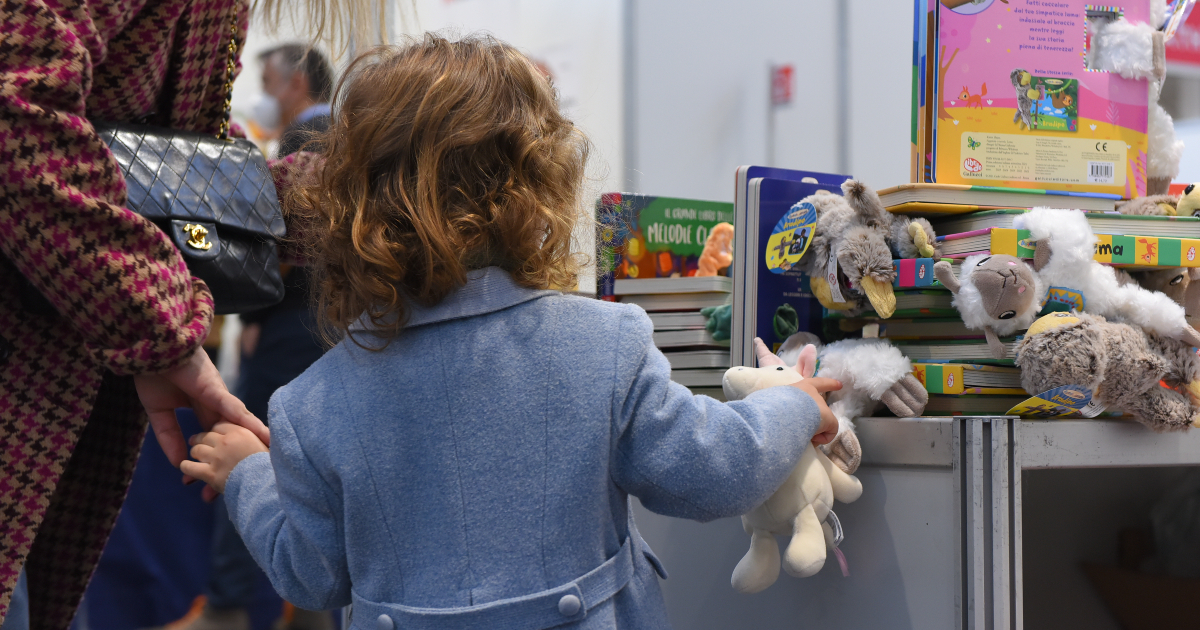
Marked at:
<point>701,88</point>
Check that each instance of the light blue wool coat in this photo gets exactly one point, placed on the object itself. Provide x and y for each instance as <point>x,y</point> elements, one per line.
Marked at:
<point>476,472</point>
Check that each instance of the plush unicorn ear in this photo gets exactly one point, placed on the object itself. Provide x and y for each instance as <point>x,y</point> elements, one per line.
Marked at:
<point>807,365</point>
<point>765,356</point>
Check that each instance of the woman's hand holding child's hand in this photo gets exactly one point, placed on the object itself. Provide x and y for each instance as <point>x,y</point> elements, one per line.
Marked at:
<point>219,451</point>
<point>816,387</point>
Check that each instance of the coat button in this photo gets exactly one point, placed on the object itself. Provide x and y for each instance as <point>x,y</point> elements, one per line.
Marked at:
<point>569,605</point>
<point>385,622</point>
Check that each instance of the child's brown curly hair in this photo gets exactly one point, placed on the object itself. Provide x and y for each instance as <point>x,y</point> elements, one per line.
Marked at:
<point>443,156</point>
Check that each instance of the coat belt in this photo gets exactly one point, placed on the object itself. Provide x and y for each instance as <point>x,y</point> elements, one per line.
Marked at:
<point>567,603</point>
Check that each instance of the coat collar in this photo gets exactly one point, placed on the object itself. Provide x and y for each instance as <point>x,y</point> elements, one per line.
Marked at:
<point>487,290</point>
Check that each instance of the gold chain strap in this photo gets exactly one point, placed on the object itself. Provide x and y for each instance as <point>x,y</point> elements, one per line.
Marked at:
<point>230,68</point>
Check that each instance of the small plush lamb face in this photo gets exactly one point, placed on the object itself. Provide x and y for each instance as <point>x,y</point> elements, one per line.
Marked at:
<point>1006,285</point>
<point>998,295</point>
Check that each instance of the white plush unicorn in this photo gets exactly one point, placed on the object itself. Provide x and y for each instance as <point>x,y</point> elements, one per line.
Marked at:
<point>800,506</point>
<point>871,371</point>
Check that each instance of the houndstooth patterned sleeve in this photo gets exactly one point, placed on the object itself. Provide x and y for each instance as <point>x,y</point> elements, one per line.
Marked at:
<point>114,275</point>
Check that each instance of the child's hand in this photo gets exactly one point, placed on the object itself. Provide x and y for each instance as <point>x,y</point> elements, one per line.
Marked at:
<point>219,451</point>
<point>816,387</point>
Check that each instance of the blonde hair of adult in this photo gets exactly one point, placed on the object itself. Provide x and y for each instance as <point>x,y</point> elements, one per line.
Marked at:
<point>339,24</point>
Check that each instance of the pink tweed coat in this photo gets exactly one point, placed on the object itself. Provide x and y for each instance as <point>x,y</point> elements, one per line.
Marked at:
<point>90,293</point>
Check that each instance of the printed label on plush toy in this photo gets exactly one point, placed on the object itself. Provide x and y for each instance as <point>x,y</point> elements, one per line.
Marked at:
<point>1060,402</point>
<point>1062,299</point>
<point>831,276</point>
<point>791,237</point>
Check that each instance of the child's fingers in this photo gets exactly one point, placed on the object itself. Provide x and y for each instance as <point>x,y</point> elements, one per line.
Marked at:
<point>202,453</point>
<point>199,470</point>
<point>823,385</point>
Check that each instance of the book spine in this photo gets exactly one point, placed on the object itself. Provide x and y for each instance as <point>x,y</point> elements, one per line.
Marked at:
<point>940,378</point>
<point>1111,249</point>
<point>914,273</point>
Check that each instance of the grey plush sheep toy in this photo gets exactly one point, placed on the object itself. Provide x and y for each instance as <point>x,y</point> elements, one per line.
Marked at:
<point>863,237</point>
<point>997,294</point>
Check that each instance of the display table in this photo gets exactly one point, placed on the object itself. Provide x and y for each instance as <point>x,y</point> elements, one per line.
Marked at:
<point>935,540</point>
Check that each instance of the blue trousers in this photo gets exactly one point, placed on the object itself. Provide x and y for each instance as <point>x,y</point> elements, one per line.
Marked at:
<point>18,607</point>
<point>286,347</point>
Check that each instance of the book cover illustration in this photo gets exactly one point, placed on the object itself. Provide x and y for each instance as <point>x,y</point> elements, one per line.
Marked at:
<point>643,236</point>
<point>1018,106</point>
<point>1055,103</point>
<point>786,223</point>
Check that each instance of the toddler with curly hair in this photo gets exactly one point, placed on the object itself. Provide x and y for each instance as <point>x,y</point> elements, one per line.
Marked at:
<point>464,456</point>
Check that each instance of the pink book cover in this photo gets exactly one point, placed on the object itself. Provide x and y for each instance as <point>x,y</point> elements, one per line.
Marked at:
<point>1018,106</point>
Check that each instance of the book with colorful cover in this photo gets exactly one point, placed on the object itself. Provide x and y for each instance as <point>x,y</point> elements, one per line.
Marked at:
<point>768,209</point>
<point>967,379</point>
<point>924,28</point>
<point>1101,223</point>
<point>643,236</point>
<point>1111,249</point>
<point>942,198</point>
<point>1048,119</point>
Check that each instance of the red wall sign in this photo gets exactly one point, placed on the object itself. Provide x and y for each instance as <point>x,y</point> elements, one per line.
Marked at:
<point>782,81</point>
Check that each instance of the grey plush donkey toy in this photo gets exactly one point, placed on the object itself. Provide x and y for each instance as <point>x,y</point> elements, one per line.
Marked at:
<point>998,294</point>
<point>862,235</point>
<point>1124,366</point>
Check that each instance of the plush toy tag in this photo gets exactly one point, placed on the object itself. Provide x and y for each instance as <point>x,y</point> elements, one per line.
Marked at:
<point>838,536</point>
<point>1060,402</point>
<point>791,237</point>
<point>831,276</point>
<point>1063,299</point>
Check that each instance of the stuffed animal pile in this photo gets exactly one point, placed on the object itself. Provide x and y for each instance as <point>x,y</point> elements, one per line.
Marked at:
<point>1131,346</point>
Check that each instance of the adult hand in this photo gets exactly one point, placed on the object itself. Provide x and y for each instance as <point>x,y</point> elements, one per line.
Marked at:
<point>816,388</point>
<point>198,385</point>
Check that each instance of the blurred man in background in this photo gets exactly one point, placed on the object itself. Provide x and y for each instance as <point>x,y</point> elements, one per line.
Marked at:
<point>297,86</point>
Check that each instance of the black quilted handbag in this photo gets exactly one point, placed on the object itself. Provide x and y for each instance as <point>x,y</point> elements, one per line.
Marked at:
<point>215,199</point>
<point>213,196</point>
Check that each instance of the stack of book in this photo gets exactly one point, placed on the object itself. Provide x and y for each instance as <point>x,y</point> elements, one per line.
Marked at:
<point>673,304</point>
<point>649,254</point>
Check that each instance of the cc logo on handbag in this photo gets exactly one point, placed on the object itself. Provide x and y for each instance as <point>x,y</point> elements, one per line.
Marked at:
<point>197,234</point>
